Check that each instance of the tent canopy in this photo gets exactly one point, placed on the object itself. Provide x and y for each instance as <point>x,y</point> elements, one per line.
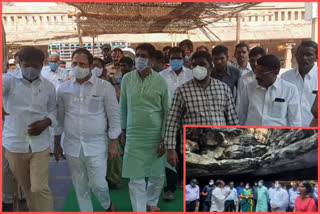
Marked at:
<point>96,18</point>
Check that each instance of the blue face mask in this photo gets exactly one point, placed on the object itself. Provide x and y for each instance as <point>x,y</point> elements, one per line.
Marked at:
<point>141,63</point>
<point>187,58</point>
<point>176,64</point>
<point>53,66</point>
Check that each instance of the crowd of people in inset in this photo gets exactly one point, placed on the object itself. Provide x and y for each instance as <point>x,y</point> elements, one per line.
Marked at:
<point>279,197</point>
<point>84,115</point>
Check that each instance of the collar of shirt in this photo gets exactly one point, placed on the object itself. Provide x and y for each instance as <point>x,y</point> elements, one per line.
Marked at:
<point>228,73</point>
<point>183,71</point>
<point>248,67</point>
<point>276,84</point>
<point>311,74</point>
<point>92,80</point>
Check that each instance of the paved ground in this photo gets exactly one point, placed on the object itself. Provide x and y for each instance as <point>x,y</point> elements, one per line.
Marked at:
<point>60,182</point>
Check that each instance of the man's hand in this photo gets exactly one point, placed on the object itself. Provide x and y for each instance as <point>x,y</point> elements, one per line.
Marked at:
<point>113,152</point>
<point>36,128</point>
<point>172,157</point>
<point>58,151</point>
<point>123,138</point>
<point>161,150</point>
<point>4,113</point>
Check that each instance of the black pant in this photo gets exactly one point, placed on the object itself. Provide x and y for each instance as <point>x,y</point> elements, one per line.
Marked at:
<point>172,177</point>
<point>229,206</point>
<point>206,206</point>
<point>290,209</point>
<point>190,206</point>
<point>254,205</point>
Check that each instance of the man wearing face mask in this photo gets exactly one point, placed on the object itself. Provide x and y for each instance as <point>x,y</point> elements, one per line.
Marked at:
<point>175,75</point>
<point>187,47</point>
<point>219,197</point>
<point>305,77</point>
<point>279,199</point>
<point>144,105</point>
<point>53,72</point>
<point>14,70</point>
<point>255,189</point>
<point>231,199</point>
<point>293,194</point>
<point>31,109</point>
<point>201,101</point>
<point>192,196</point>
<point>207,193</point>
<point>56,76</point>
<point>89,116</point>
<point>269,101</point>
<point>262,198</point>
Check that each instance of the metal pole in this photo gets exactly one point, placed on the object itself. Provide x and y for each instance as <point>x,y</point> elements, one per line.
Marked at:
<point>79,31</point>
<point>238,30</point>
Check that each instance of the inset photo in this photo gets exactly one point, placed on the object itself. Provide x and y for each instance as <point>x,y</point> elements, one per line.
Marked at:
<point>251,170</point>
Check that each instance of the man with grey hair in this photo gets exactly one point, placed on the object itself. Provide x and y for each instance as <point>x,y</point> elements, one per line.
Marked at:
<point>56,75</point>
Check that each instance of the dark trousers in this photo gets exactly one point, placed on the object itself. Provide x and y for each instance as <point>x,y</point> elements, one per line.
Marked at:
<point>254,205</point>
<point>229,206</point>
<point>206,206</point>
<point>290,209</point>
<point>172,177</point>
<point>190,206</point>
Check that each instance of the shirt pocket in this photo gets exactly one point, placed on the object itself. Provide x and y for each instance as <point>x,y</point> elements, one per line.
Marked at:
<point>94,103</point>
<point>39,103</point>
<point>278,110</point>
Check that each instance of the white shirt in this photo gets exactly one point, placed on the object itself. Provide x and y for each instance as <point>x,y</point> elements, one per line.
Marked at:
<point>233,196</point>
<point>88,114</point>
<point>217,200</point>
<point>277,106</point>
<point>174,80</point>
<point>242,82</point>
<point>305,89</point>
<point>271,191</point>
<point>55,77</point>
<point>26,103</point>
<point>293,194</point>
<point>280,199</point>
<point>15,73</point>
<point>192,193</point>
<point>247,69</point>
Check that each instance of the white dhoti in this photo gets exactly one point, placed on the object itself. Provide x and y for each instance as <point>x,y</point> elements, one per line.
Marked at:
<point>90,172</point>
<point>142,195</point>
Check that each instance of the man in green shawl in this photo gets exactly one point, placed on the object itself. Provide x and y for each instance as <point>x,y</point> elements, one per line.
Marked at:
<point>144,105</point>
<point>262,200</point>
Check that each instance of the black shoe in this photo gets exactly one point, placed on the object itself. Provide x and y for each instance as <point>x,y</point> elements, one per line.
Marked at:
<point>7,207</point>
<point>111,208</point>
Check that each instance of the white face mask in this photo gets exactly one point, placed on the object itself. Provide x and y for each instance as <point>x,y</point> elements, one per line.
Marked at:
<point>79,72</point>
<point>199,72</point>
<point>141,63</point>
<point>30,73</point>
<point>276,186</point>
<point>247,187</point>
<point>97,71</point>
<point>211,183</point>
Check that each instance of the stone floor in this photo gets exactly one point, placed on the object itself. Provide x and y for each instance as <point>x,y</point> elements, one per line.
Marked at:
<point>60,182</point>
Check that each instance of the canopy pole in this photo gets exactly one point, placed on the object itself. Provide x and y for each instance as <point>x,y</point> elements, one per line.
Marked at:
<point>79,31</point>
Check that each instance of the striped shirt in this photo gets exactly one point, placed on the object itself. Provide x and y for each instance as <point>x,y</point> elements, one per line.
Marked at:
<point>194,105</point>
